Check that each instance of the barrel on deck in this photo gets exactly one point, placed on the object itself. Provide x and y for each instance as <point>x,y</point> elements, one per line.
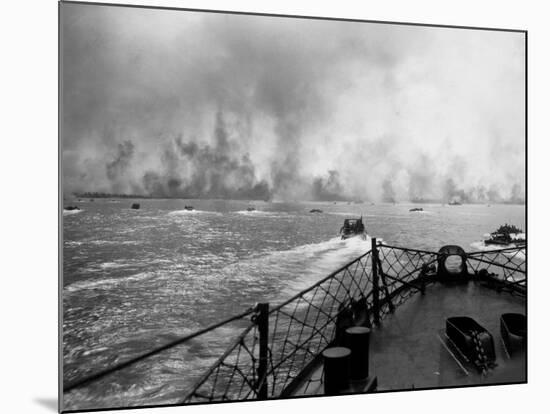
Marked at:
<point>357,340</point>
<point>513,330</point>
<point>336,360</point>
<point>470,338</point>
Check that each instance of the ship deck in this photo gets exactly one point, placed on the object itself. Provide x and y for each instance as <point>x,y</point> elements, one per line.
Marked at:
<point>409,349</point>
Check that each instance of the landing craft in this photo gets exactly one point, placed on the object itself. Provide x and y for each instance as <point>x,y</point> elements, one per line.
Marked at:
<point>352,228</point>
<point>507,235</point>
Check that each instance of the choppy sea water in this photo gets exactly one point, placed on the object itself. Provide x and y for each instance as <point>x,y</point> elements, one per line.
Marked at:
<point>136,279</point>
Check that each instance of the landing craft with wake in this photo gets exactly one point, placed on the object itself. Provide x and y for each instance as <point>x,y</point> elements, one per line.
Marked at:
<point>352,228</point>
<point>506,235</point>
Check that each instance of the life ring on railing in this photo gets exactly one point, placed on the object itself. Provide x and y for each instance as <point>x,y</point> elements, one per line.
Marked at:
<point>452,263</point>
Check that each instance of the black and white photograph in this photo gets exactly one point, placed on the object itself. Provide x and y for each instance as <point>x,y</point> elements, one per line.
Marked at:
<point>261,207</point>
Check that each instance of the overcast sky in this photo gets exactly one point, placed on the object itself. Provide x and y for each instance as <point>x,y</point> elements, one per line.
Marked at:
<point>189,104</point>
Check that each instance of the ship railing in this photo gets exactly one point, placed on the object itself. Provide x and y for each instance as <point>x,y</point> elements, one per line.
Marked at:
<point>279,346</point>
<point>363,291</point>
<point>403,273</point>
<point>296,332</point>
<point>506,267</point>
<point>287,339</point>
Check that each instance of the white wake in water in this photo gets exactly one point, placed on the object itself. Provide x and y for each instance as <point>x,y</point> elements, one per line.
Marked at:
<point>348,214</point>
<point>323,259</point>
<point>106,283</point>
<point>113,242</point>
<point>71,212</point>
<point>297,268</point>
<point>192,212</point>
<point>261,213</point>
<point>481,246</point>
<point>334,245</point>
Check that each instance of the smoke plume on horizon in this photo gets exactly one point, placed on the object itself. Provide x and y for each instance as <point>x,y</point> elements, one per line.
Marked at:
<point>199,105</point>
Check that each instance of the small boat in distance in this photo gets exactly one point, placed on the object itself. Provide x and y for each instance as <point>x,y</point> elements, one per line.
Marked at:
<point>316,210</point>
<point>352,228</point>
<point>417,209</point>
<point>250,209</point>
<point>455,203</point>
<point>189,208</point>
<point>71,208</point>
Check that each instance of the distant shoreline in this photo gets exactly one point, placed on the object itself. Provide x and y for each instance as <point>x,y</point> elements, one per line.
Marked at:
<point>90,195</point>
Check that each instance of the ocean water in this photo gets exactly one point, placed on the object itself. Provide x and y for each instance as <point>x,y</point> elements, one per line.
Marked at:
<point>136,279</point>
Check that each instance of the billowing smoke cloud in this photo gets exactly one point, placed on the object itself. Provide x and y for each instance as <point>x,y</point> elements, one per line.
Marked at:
<point>518,194</point>
<point>181,104</point>
<point>118,165</point>
<point>329,188</point>
<point>192,170</point>
<point>388,191</point>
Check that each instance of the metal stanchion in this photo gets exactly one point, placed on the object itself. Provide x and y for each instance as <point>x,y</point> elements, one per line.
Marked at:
<point>357,339</point>
<point>336,362</point>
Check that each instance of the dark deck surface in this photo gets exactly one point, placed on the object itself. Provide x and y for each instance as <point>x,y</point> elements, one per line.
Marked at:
<point>409,350</point>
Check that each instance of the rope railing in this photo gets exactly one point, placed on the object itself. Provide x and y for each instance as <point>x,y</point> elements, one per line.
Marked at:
<point>401,271</point>
<point>300,328</point>
<point>234,375</point>
<point>356,294</point>
<point>507,266</point>
<point>305,326</point>
<point>508,263</point>
<point>275,352</point>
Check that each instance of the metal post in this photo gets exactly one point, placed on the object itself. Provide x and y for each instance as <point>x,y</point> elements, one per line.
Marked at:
<point>375,283</point>
<point>336,370</point>
<point>263,330</point>
<point>357,340</point>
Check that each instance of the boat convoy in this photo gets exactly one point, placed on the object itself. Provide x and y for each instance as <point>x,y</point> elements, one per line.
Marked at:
<point>505,236</point>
